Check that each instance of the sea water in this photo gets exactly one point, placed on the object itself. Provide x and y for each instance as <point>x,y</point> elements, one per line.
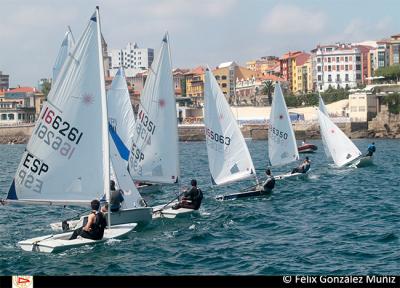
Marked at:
<point>335,221</point>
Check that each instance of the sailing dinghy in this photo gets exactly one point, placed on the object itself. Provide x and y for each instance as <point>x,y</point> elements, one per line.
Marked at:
<point>121,123</point>
<point>341,149</point>
<point>67,160</point>
<point>229,158</point>
<point>282,147</point>
<point>154,155</point>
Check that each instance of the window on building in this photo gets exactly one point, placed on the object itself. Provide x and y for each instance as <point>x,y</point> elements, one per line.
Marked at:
<point>337,78</point>
<point>358,58</point>
<point>224,85</point>
<point>361,109</point>
<point>337,59</point>
<point>318,60</point>
<point>217,77</point>
<point>346,59</point>
<point>329,68</point>
<point>346,78</point>
<point>10,116</point>
<point>319,77</point>
<point>319,68</point>
<point>19,116</point>
<point>320,87</point>
<point>337,68</point>
<point>329,78</point>
<point>353,108</point>
<point>329,59</point>
<point>358,67</point>
<point>223,77</point>
<point>346,67</point>
<point>358,76</point>
<point>3,116</point>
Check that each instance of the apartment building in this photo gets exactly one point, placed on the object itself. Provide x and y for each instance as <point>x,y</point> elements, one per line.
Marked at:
<point>4,81</point>
<point>336,66</point>
<point>132,58</point>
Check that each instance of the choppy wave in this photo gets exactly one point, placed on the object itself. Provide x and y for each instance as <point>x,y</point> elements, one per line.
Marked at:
<point>336,221</point>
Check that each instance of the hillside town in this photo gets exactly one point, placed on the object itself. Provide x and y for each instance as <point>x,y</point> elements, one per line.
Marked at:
<point>360,80</point>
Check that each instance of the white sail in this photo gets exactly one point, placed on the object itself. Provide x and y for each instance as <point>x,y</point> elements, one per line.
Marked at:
<point>228,156</point>
<point>341,148</point>
<point>121,124</point>
<point>67,159</point>
<point>282,147</point>
<point>66,49</point>
<point>322,108</point>
<point>154,152</point>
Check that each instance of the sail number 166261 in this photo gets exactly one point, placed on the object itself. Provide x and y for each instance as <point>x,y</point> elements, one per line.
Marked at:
<point>63,127</point>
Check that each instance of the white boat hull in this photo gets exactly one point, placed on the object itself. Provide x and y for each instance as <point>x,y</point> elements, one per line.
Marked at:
<point>141,216</point>
<point>60,242</point>
<point>162,211</point>
<point>362,162</point>
<point>290,175</point>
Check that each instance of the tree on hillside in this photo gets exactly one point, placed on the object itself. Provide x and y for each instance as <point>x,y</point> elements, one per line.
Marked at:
<point>46,86</point>
<point>268,89</point>
<point>390,72</point>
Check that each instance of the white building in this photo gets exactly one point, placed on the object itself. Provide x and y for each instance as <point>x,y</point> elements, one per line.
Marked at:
<point>362,106</point>
<point>132,58</point>
<point>336,66</point>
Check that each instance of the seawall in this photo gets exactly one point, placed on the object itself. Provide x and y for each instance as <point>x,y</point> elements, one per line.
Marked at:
<point>303,130</point>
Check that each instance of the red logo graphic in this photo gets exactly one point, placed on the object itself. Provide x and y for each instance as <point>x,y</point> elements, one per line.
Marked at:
<point>22,281</point>
<point>281,116</point>
<point>87,99</point>
<point>161,103</point>
<point>333,131</point>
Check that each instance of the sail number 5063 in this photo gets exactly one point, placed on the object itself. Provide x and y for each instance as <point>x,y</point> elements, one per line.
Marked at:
<point>217,137</point>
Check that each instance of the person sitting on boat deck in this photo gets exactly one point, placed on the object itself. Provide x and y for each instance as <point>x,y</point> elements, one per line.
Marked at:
<point>191,199</point>
<point>371,149</point>
<point>116,197</point>
<point>303,167</point>
<point>94,228</point>
<point>269,184</point>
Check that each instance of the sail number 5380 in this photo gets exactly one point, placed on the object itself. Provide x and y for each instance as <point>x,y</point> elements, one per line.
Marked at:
<point>217,137</point>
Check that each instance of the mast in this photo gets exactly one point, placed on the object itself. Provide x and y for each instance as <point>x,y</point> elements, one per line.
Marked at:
<point>105,137</point>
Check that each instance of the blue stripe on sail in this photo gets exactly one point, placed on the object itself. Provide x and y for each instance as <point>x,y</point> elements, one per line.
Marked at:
<point>122,150</point>
<point>12,194</point>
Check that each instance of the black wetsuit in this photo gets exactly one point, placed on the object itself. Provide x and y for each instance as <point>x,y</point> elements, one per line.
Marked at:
<point>97,229</point>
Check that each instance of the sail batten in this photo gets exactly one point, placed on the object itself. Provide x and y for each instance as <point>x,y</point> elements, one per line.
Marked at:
<point>228,156</point>
<point>282,147</point>
<point>154,151</point>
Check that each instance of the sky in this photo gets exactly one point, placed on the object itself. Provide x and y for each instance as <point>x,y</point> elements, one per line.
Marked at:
<point>201,31</point>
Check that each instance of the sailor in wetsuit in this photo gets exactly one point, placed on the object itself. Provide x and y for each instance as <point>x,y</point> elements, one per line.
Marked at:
<point>303,167</point>
<point>191,199</point>
<point>94,228</point>
<point>371,149</point>
<point>269,184</point>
